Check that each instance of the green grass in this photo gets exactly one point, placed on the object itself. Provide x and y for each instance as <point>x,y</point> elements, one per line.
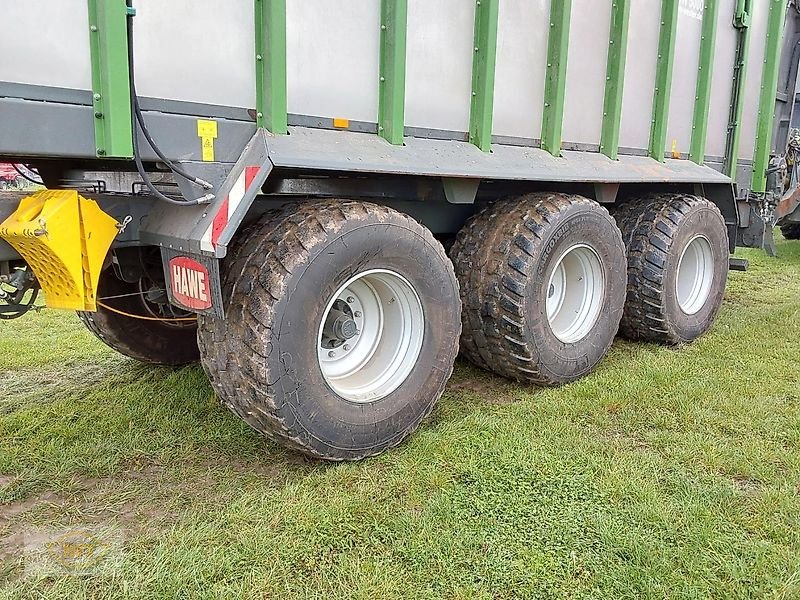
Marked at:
<point>667,473</point>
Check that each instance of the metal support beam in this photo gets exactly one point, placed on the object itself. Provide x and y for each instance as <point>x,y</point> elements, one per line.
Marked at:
<point>615,77</point>
<point>741,21</point>
<point>271,111</point>
<point>769,86</point>
<point>108,43</point>
<point>556,76</point>
<point>392,91</point>
<point>666,61</point>
<point>702,99</point>
<point>483,69</point>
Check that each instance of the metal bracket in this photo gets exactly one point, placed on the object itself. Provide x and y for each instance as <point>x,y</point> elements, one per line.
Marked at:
<point>209,228</point>
<point>606,193</point>
<point>460,190</point>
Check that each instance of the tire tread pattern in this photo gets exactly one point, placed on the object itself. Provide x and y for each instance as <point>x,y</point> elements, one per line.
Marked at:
<point>648,225</point>
<point>492,255</point>
<point>256,279</point>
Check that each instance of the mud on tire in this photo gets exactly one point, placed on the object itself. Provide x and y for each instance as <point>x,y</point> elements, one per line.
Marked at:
<point>507,259</point>
<point>662,234</point>
<point>279,284</point>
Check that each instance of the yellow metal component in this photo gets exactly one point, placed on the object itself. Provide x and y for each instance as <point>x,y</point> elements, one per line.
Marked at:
<point>64,238</point>
<point>207,132</point>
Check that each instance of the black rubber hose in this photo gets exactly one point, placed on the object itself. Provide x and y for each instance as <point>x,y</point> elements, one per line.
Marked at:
<point>134,120</point>
<point>146,133</point>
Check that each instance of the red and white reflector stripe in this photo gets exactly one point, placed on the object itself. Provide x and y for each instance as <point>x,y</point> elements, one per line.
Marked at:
<point>232,201</point>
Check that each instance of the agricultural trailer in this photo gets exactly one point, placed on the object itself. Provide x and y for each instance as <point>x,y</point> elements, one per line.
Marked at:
<point>324,200</point>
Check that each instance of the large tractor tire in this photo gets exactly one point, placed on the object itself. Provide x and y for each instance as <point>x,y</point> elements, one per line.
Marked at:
<point>341,329</point>
<point>150,330</point>
<point>677,267</point>
<point>791,231</point>
<point>543,286</point>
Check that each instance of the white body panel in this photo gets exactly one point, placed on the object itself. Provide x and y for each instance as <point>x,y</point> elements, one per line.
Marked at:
<point>755,68</point>
<point>208,58</point>
<point>684,79</point>
<point>586,71</point>
<point>57,55</point>
<point>332,58</point>
<point>439,64</point>
<point>521,64</point>
<point>640,74</point>
<point>721,84</point>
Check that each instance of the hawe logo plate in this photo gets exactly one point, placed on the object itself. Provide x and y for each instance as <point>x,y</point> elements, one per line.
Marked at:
<point>193,282</point>
<point>189,283</point>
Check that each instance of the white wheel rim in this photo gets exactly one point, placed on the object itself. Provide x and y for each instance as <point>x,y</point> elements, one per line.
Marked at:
<point>575,294</point>
<point>695,275</point>
<point>370,336</point>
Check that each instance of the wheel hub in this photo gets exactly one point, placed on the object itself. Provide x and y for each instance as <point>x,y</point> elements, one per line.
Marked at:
<point>370,336</point>
<point>575,293</point>
<point>695,275</point>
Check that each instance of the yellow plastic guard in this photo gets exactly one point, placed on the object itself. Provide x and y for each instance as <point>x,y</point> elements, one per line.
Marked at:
<point>64,238</point>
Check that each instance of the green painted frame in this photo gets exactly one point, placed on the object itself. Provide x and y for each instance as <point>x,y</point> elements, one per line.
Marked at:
<point>661,94</point>
<point>111,96</point>
<point>392,91</point>
<point>705,67</point>
<point>270,47</point>
<point>769,86</point>
<point>741,21</point>
<point>615,77</point>
<point>483,70</point>
<point>556,75</point>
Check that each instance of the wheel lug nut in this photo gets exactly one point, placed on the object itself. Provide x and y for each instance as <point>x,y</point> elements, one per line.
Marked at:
<point>357,314</point>
<point>350,299</point>
<point>331,354</point>
<point>346,347</point>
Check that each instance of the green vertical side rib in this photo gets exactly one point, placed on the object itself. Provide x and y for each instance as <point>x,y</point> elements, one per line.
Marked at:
<point>483,67</point>
<point>556,78</point>
<point>666,61</point>
<point>702,100</point>
<point>108,43</point>
<point>392,92</point>
<point>615,77</point>
<point>271,65</point>
<point>769,87</point>
<point>741,22</point>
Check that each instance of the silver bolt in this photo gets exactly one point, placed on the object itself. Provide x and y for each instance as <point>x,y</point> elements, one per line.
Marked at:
<point>331,354</point>
<point>357,314</point>
<point>350,299</point>
<point>346,347</point>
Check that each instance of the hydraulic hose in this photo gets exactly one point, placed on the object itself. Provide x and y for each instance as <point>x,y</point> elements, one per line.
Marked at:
<point>138,119</point>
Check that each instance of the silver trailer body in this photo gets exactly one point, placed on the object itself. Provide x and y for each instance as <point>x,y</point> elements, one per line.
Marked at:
<point>202,52</point>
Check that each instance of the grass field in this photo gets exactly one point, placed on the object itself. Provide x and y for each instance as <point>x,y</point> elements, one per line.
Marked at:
<point>667,473</point>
